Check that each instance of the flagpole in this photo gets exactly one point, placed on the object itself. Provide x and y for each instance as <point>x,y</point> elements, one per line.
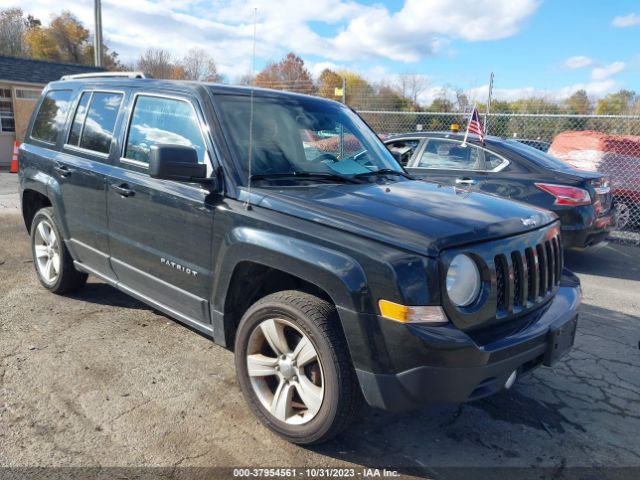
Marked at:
<point>488,110</point>
<point>466,133</point>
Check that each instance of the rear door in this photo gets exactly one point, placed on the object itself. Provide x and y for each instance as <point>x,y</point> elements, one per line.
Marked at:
<point>160,230</point>
<point>509,178</point>
<point>80,168</point>
<point>448,162</point>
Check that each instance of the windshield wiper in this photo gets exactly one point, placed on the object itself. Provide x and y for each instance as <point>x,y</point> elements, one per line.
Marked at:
<point>303,175</point>
<point>384,171</point>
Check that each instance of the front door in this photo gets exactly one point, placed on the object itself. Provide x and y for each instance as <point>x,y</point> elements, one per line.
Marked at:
<point>448,162</point>
<point>160,230</point>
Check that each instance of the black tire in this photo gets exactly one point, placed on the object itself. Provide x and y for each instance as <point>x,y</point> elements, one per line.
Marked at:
<point>68,278</point>
<point>318,320</point>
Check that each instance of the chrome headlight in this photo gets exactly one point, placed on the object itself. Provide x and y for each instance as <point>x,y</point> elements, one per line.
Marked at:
<point>463,281</point>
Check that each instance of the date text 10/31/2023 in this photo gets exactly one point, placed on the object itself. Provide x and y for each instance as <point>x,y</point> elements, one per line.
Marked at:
<point>321,472</point>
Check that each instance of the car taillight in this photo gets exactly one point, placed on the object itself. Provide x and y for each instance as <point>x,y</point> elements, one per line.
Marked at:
<point>566,195</point>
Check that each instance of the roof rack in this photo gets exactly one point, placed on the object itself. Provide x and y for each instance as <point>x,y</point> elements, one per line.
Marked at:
<point>104,75</point>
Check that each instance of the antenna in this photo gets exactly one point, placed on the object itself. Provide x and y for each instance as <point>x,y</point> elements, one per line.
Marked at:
<point>247,204</point>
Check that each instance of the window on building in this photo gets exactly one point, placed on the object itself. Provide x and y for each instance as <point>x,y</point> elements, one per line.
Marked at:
<point>52,115</point>
<point>28,93</point>
<point>7,121</point>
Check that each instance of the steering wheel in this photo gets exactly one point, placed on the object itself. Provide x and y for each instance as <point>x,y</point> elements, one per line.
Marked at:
<point>325,156</point>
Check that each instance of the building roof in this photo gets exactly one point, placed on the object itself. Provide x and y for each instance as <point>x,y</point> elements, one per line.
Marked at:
<point>27,70</point>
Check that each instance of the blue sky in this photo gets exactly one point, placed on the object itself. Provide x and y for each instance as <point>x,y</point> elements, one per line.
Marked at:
<point>535,57</point>
<point>535,47</point>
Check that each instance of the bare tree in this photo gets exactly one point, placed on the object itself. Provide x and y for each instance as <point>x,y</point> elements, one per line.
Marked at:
<point>289,73</point>
<point>157,63</point>
<point>13,26</point>
<point>246,79</point>
<point>462,99</point>
<point>411,85</point>
<point>199,65</point>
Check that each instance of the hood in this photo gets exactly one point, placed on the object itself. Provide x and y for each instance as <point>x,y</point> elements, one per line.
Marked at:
<point>414,215</point>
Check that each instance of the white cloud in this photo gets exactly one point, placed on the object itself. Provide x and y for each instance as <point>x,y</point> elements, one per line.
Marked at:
<point>316,68</point>
<point>606,71</point>
<point>579,61</point>
<point>355,31</point>
<point>595,89</point>
<point>623,21</point>
<point>422,28</point>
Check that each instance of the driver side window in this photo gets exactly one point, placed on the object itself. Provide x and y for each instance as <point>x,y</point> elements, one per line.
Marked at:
<point>449,155</point>
<point>160,120</point>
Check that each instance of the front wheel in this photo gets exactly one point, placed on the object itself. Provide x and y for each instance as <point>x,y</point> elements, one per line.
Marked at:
<point>294,368</point>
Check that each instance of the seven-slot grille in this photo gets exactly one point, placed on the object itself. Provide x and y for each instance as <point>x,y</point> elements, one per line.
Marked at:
<point>524,278</point>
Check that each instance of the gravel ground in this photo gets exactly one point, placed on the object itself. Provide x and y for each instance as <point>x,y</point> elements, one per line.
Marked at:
<point>99,379</point>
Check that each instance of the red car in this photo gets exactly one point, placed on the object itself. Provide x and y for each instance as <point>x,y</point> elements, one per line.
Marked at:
<point>618,156</point>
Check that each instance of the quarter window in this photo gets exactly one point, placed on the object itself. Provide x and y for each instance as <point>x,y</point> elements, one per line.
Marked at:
<point>157,120</point>
<point>492,161</point>
<point>445,155</point>
<point>52,115</point>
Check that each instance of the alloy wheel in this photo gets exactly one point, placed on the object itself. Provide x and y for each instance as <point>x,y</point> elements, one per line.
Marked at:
<point>47,252</point>
<point>285,371</point>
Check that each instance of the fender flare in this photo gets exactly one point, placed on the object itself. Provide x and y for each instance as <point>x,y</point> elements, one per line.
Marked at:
<point>339,275</point>
<point>46,185</point>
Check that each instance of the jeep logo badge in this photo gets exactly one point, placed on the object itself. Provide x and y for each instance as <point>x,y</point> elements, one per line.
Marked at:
<point>529,221</point>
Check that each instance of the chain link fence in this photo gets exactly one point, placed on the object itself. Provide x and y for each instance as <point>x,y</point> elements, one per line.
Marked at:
<point>605,143</point>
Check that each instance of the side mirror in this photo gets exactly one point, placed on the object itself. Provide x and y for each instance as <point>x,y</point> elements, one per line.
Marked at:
<point>176,162</point>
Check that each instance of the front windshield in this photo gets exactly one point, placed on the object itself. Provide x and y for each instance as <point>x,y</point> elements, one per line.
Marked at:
<point>538,157</point>
<point>301,135</point>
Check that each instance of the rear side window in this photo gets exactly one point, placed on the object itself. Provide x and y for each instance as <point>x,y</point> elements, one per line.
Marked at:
<point>158,120</point>
<point>445,154</point>
<point>95,120</point>
<point>52,115</point>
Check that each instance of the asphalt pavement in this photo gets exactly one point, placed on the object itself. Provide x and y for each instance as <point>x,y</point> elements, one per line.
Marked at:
<point>98,379</point>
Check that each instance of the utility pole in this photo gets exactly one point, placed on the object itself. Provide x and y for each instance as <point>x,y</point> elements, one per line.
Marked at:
<point>97,38</point>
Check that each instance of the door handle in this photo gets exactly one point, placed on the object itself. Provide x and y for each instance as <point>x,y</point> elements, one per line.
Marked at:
<point>465,181</point>
<point>123,189</point>
<point>62,170</point>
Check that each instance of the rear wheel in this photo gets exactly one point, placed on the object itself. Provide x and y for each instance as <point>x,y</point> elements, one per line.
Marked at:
<point>294,369</point>
<point>623,216</point>
<point>51,258</point>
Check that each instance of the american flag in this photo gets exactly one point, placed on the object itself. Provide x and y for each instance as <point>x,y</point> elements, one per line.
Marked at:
<point>475,126</point>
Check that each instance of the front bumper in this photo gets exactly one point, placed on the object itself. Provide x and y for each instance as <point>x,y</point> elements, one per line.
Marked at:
<point>408,366</point>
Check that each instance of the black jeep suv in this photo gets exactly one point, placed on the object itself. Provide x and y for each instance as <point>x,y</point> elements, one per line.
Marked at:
<point>332,275</point>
